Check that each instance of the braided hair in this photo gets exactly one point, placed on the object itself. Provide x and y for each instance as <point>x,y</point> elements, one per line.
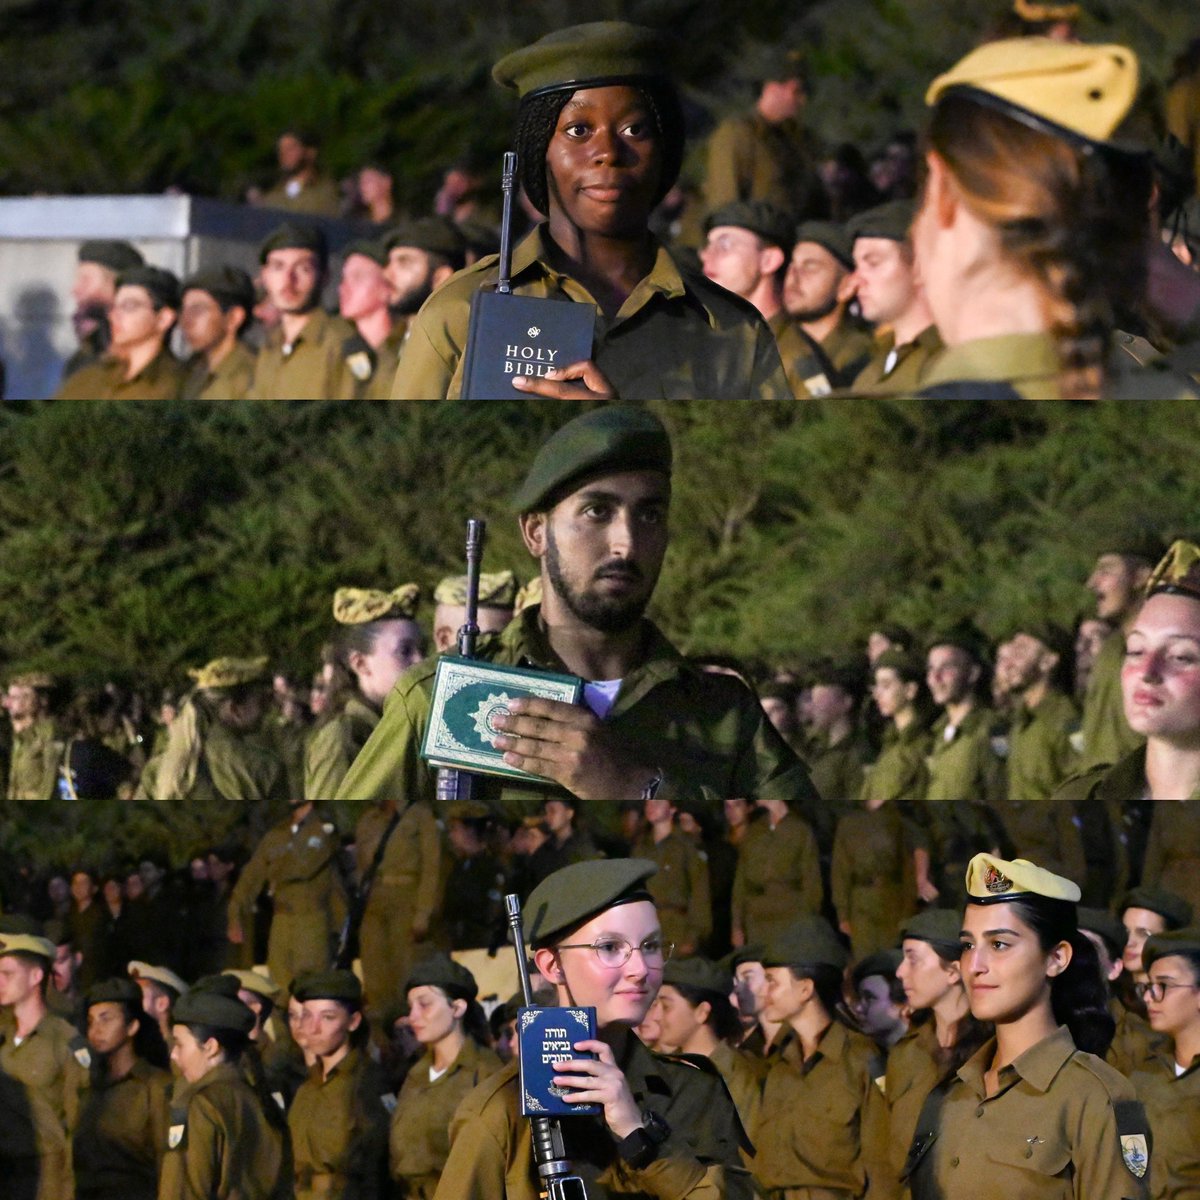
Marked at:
<point>537,119</point>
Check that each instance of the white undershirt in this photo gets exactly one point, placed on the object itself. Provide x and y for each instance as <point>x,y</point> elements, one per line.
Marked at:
<point>601,695</point>
<point>435,1074</point>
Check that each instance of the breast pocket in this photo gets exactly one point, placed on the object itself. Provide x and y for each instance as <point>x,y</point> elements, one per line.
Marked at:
<point>1031,1168</point>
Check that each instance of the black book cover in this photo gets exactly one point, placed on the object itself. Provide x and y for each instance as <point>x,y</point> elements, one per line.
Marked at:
<point>521,335</point>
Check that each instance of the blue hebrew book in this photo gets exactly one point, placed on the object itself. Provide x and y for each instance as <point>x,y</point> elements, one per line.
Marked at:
<point>545,1037</point>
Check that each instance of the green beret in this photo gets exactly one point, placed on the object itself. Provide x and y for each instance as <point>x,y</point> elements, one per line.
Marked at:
<point>590,55</point>
<point>441,971</point>
<point>939,927</point>
<point>434,235</point>
<point>162,285</point>
<point>229,672</point>
<point>1178,574</point>
<point>892,220</point>
<point>568,897</point>
<point>743,954</point>
<point>213,1001</point>
<point>759,217</point>
<point>771,64</point>
<point>698,973</point>
<point>992,880</point>
<point>114,991</point>
<point>228,286</point>
<point>614,438</point>
<point>1141,545</point>
<point>1173,909</point>
<point>1163,945</point>
<point>1102,923</point>
<point>375,251</point>
<point>328,985</point>
<point>847,674</point>
<point>497,589</point>
<point>1069,89</point>
<point>963,637</point>
<point>479,236</point>
<point>828,236</point>
<point>807,942</point>
<point>882,962</point>
<point>116,256</point>
<point>360,606</point>
<point>292,235</point>
<point>907,665</point>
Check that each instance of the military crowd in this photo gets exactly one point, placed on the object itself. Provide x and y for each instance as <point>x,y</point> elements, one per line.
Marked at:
<point>789,270</point>
<point>790,839</point>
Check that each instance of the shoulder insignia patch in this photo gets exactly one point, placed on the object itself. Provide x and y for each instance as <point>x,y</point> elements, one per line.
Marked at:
<point>818,385</point>
<point>278,1098</point>
<point>83,1056</point>
<point>1135,1153</point>
<point>881,1084</point>
<point>175,1136</point>
<point>360,365</point>
<point>388,1100</point>
<point>316,841</point>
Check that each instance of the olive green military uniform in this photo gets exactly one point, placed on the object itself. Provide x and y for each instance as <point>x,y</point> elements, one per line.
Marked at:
<point>1025,363</point>
<point>838,772</point>
<point>317,198</point>
<point>899,773</point>
<point>819,1120</point>
<point>398,925</point>
<point>387,358</point>
<point>809,373</point>
<point>1183,114</point>
<point>288,739</point>
<point>313,368</point>
<point>1173,849</point>
<point>1172,1104</point>
<point>778,877</point>
<point>677,336</point>
<point>36,754</point>
<point>1063,1124</point>
<point>419,1142</point>
<point>338,1126</point>
<point>1133,1041</point>
<point>701,730</point>
<point>230,379</point>
<point>1107,737</point>
<point>220,1145</point>
<point>160,379</point>
<point>491,1154</point>
<point>680,889</point>
<point>907,373</point>
<point>873,878</point>
<point>849,348</point>
<point>750,158</point>
<point>41,1081</point>
<point>122,1135</point>
<point>912,1073</point>
<point>744,1073</point>
<point>331,748</point>
<point>296,863</point>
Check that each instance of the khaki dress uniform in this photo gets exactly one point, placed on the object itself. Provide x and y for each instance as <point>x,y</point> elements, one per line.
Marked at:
<point>912,1073</point>
<point>1172,1104</point>
<point>907,373</point>
<point>838,772</point>
<point>41,1082</point>
<point>677,336</point>
<point>319,197</point>
<point>819,1120</point>
<point>1133,1041</point>
<point>680,889</point>
<point>229,380</point>
<point>491,1153</point>
<point>338,1128</point>
<point>1107,737</point>
<point>122,1135</point>
<point>701,730</point>
<point>1173,848</point>
<point>220,1145</point>
<point>407,890</point>
<point>1063,1125</point>
<point>331,748</point>
<point>419,1142</point>
<point>36,754</point>
<point>744,1073</point>
<point>899,773</point>
<point>1023,364</point>
<point>297,864</point>
<point>160,379</point>
<point>778,877</point>
<point>313,367</point>
<point>849,348</point>
<point>387,359</point>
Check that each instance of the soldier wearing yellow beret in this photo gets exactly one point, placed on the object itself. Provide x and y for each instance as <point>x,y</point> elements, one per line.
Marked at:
<point>1034,1112</point>
<point>497,599</point>
<point>599,142</point>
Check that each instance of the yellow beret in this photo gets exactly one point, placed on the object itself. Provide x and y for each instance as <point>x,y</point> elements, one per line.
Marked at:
<point>497,589</point>
<point>252,981</point>
<point>229,672</point>
<point>589,55</point>
<point>163,976</point>
<point>1028,10</point>
<point>357,606</point>
<point>529,595</point>
<point>26,943</point>
<point>468,810</point>
<point>991,880</point>
<point>1178,573</point>
<point>32,679</point>
<point>1069,89</point>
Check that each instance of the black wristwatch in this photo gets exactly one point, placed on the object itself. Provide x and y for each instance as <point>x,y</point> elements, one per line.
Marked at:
<point>640,1148</point>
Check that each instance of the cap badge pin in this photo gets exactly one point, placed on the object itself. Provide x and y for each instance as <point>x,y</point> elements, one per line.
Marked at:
<point>995,881</point>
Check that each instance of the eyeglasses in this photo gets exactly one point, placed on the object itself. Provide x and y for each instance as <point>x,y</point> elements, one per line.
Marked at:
<point>1157,990</point>
<point>616,952</point>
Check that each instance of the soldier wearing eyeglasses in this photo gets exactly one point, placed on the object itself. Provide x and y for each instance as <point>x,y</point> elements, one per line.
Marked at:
<point>668,1126</point>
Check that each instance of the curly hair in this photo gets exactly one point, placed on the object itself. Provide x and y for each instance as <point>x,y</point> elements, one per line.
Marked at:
<point>537,119</point>
<point>1072,218</point>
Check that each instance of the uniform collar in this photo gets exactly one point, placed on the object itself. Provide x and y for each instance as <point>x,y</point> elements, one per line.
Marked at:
<point>993,359</point>
<point>1038,1066</point>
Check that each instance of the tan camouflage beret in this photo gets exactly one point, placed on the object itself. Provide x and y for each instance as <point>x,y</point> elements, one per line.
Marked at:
<point>497,589</point>
<point>358,606</point>
<point>253,981</point>
<point>1029,10</point>
<point>229,672</point>
<point>163,976</point>
<point>1178,573</point>
<point>26,943</point>
<point>991,880</point>
<point>32,679</point>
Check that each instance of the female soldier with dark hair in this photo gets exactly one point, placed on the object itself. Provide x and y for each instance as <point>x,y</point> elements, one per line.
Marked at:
<point>1035,1113</point>
<point>600,140</point>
